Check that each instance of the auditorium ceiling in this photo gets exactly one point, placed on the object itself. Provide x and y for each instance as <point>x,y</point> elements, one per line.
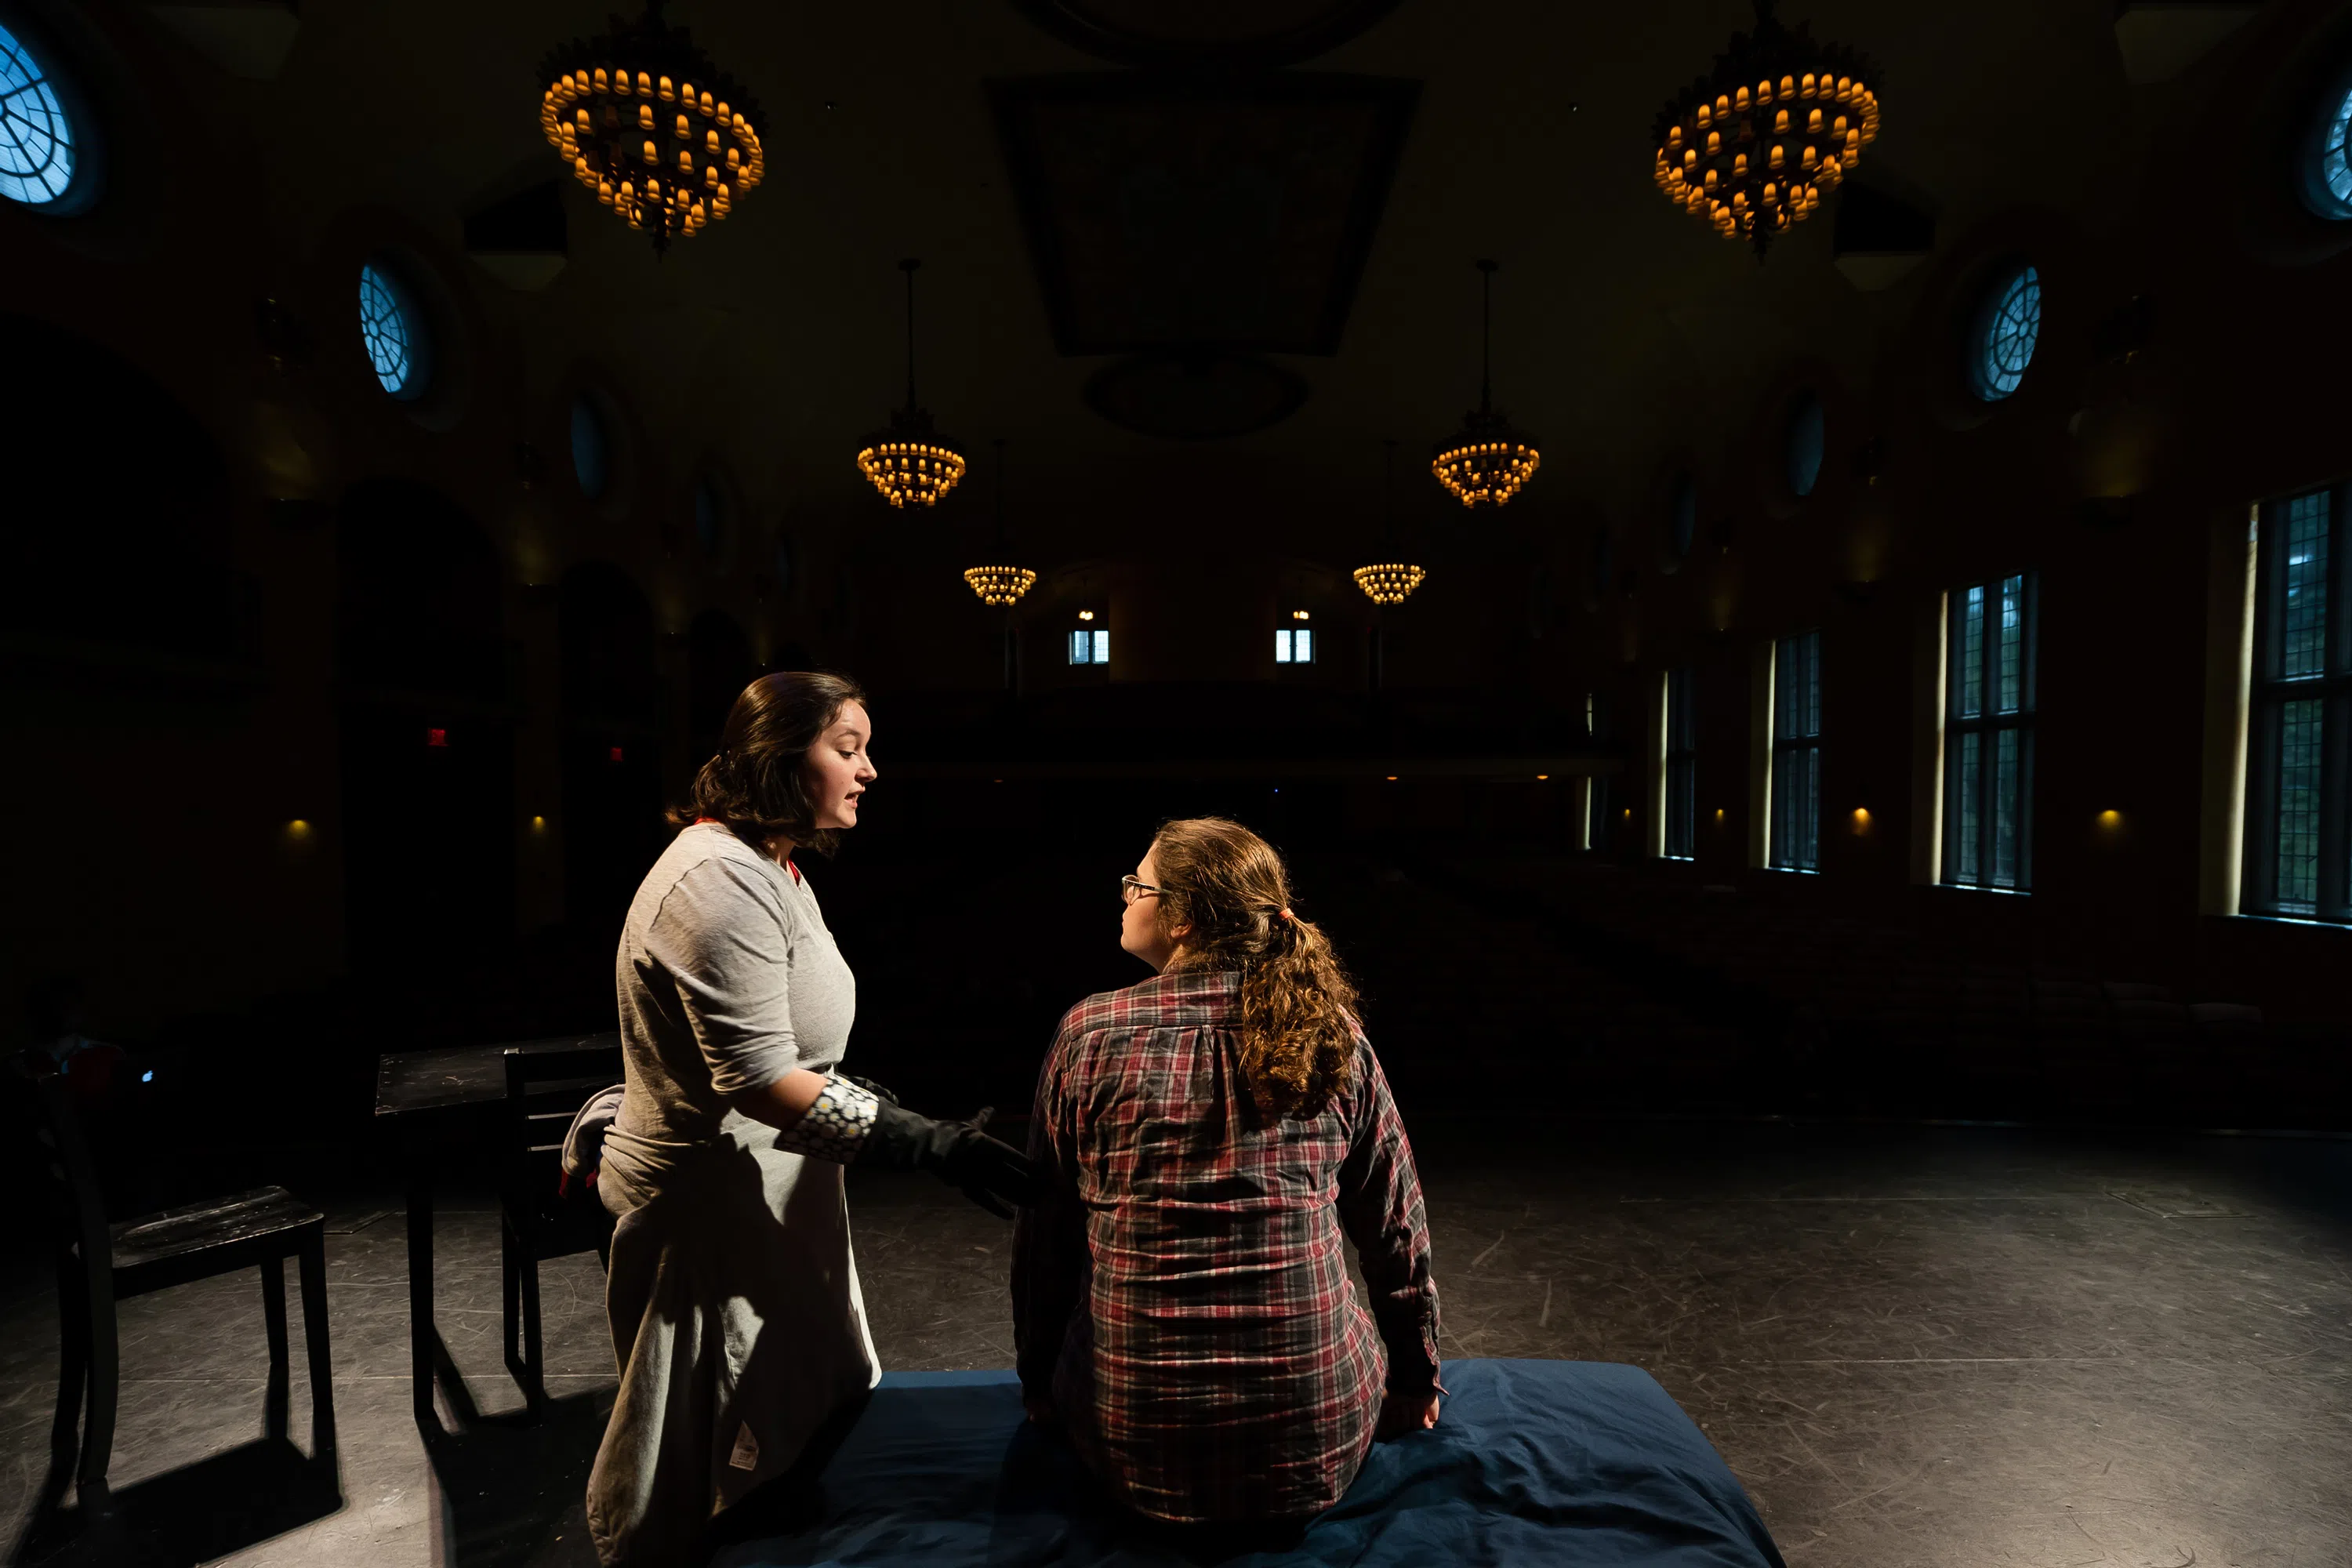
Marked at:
<point>1281,263</point>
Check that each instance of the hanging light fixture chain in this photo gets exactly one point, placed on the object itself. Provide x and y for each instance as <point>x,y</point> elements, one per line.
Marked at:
<point>908,267</point>
<point>1486,337</point>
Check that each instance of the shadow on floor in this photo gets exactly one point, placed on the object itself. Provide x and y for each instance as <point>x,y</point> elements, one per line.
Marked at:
<point>512,1493</point>
<point>221,1504</point>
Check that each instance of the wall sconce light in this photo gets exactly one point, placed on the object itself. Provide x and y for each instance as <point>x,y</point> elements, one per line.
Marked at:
<point>1861,820</point>
<point>1297,614</point>
<point>2111,820</point>
<point>1086,615</point>
<point>297,831</point>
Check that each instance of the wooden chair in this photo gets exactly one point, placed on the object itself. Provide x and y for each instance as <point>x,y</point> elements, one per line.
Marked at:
<point>98,1265</point>
<point>547,1083</point>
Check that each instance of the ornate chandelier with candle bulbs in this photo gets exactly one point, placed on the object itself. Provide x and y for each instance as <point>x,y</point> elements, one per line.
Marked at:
<point>910,462</point>
<point>645,120</point>
<point>1749,148</point>
<point>1388,582</point>
<point>1489,460</point>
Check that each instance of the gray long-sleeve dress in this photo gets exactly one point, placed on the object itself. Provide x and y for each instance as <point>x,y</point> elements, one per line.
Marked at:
<point>733,1294</point>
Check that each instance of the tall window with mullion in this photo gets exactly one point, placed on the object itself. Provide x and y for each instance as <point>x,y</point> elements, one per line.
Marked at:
<point>2296,831</point>
<point>1682,766</point>
<point>1992,633</point>
<point>1797,753</point>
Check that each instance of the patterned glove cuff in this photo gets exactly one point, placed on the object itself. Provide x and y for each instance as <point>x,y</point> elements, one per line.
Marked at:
<point>835,1127</point>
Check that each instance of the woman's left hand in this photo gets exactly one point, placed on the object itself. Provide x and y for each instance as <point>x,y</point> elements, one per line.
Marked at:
<point>1404,1412</point>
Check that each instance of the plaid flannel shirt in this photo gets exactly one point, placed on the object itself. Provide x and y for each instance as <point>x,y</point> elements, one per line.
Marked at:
<point>1181,1291</point>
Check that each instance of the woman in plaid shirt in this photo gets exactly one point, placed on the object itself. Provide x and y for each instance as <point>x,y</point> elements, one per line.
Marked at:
<point>1204,1141</point>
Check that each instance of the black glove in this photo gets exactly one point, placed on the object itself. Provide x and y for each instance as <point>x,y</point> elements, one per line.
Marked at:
<point>991,1173</point>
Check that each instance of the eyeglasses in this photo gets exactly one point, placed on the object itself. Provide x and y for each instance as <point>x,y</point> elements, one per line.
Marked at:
<point>1131,887</point>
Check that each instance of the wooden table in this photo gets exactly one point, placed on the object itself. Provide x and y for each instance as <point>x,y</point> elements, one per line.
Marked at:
<point>427,1093</point>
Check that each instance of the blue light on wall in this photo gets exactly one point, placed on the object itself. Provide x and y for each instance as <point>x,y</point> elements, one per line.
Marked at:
<point>709,518</point>
<point>40,158</point>
<point>591,453</point>
<point>1806,437</point>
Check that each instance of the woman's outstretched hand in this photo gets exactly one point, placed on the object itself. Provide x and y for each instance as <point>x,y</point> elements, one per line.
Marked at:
<point>1402,1413</point>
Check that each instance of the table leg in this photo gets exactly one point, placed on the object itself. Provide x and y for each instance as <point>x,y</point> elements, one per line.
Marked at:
<point>417,1151</point>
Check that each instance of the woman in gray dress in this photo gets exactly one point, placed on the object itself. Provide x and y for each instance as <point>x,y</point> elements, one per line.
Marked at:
<point>734,1293</point>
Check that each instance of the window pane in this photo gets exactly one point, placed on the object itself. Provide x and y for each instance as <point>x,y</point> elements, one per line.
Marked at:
<point>1081,647</point>
<point>2008,800</point>
<point>1969,785</point>
<point>1971,653</point>
<point>1304,641</point>
<point>1281,647</point>
<point>2303,627</point>
<point>2012,642</point>
<point>1812,715</point>
<point>1102,647</point>
<point>1682,802</point>
<point>2298,805</point>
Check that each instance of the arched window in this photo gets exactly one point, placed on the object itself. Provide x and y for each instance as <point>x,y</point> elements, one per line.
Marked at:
<point>2327,173</point>
<point>1681,515</point>
<point>592,448</point>
<point>2008,324</point>
<point>392,328</point>
<point>1802,443</point>
<point>40,153</point>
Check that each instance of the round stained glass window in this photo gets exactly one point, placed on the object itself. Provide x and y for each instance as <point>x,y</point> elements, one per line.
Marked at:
<point>592,449</point>
<point>40,154</point>
<point>2327,162</point>
<point>1804,441</point>
<point>1681,515</point>
<point>394,332</point>
<point>2007,327</point>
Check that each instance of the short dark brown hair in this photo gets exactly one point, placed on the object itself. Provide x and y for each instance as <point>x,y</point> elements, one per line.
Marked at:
<point>758,783</point>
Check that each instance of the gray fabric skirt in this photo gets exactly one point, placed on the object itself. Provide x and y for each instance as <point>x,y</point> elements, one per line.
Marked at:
<point>738,1326</point>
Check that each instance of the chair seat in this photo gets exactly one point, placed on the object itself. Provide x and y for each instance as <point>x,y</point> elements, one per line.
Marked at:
<point>199,1227</point>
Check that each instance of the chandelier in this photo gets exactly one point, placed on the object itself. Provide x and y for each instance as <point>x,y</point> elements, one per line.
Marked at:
<point>910,463</point>
<point>1390,582</point>
<point>1749,147</point>
<point>664,137</point>
<point>1486,459</point>
<point>1000,586</point>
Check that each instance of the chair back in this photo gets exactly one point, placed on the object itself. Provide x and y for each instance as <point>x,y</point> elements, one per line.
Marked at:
<point>77,1211</point>
<point>547,1083</point>
<point>549,1080</point>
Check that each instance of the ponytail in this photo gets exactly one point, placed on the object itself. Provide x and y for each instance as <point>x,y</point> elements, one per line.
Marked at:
<point>1296,1018</point>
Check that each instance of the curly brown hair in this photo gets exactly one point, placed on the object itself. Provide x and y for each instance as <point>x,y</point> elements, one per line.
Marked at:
<point>758,783</point>
<point>1296,1023</point>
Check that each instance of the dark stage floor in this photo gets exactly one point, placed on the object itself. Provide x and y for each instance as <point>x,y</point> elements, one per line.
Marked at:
<point>1961,1346</point>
